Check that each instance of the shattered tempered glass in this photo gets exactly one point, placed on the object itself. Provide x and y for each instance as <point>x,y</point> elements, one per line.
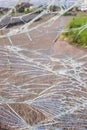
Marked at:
<point>41,88</point>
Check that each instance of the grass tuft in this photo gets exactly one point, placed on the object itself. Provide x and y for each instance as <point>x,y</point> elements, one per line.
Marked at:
<point>72,35</point>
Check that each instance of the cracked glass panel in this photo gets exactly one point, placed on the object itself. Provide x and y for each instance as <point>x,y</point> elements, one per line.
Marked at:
<point>43,79</point>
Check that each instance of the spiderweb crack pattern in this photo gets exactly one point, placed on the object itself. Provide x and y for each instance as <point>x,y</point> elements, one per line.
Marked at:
<point>40,88</point>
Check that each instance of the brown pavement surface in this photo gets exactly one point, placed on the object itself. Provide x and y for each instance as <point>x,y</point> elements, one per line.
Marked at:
<point>69,49</point>
<point>40,39</point>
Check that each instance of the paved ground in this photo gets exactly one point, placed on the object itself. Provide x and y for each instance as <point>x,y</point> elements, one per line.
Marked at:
<point>27,67</point>
<point>70,50</point>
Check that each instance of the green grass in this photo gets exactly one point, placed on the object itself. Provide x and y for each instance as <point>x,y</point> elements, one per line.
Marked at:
<point>72,36</point>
